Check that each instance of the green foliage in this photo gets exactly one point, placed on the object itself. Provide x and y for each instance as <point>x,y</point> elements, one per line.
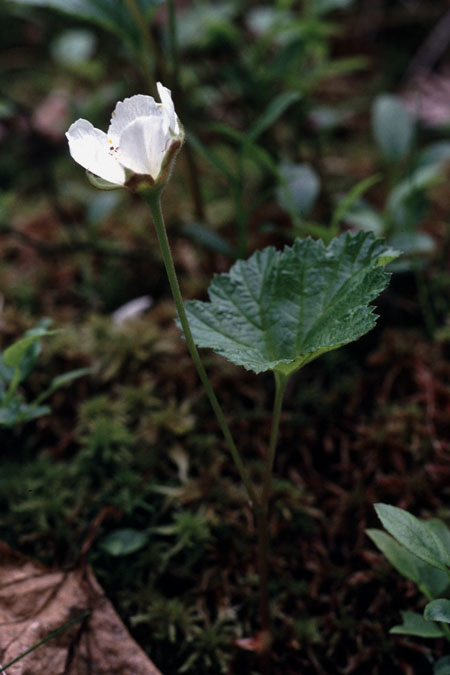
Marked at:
<point>21,354</point>
<point>123,541</point>
<point>416,624</point>
<point>270,115</point>
<point>420,551</point>
<point>114,15</point>
<point>393,127</point>
<point>200,649</point>
<point>417,536</point>
<point>430,580</point>
<point>298,190</point>
<point>438,610</point>
<point>442,666</point>
<point>403,561</point>
<point>279,310</point>
<point>16,364</point>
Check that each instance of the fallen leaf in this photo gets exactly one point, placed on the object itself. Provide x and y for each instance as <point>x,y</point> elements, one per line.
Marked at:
<point>259,643</point>
<point>36,601</point>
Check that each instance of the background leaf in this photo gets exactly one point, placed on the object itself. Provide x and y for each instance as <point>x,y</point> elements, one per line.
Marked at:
<point>429,579</point>
<point>414,535</point>
<point>415,624</point>
<point>438,610</point>
<point>273,111</point>
<point>280,309</point>
<point>442,666</point>
<point>393,127</point>
<point>14,355</point>
<point>124,541</point>
<point>403,561</point>
<point>298,189</point>
<point>110,14</point>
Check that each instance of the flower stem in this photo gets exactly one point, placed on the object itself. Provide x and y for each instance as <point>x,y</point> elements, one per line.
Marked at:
<point>12,387</point>
<point>152,197</point>
<point>262,521</point>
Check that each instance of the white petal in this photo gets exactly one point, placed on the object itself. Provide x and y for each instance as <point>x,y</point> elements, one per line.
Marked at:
<point>129,110</point>
<point>89,147</point>
<point>169,111</point>
<point>143,145</point>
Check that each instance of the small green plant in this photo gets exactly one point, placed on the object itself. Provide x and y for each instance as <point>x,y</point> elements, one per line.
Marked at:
<point>411,174</point>
<point>420,551</point>
<point>16,364</point>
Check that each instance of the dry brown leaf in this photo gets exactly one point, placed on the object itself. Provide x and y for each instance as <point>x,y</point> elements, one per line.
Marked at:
<point>36,601</point>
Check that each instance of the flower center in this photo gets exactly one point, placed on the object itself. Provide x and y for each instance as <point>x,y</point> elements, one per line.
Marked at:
<point>112,149</point>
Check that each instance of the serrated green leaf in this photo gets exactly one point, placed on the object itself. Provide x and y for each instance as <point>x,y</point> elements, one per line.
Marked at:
<point>438,610</point>
<point>414,535</point>
<point>280,309</point>
<point>124,541</point>
<point>442,666</point>
<point>403,561</point>
<point>415,624</point>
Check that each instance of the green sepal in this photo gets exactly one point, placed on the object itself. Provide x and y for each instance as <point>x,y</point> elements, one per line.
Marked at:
<point>101,183</point>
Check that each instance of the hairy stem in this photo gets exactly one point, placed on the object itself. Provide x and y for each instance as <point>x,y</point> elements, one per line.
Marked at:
<point>152,197</point>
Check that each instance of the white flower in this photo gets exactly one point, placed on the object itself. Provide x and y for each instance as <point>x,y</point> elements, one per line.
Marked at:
<point>142,139</point>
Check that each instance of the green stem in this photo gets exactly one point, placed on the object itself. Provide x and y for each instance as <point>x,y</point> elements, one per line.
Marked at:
<point>12,387</point>
<point>262,521</point>
<point>152,197</point>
